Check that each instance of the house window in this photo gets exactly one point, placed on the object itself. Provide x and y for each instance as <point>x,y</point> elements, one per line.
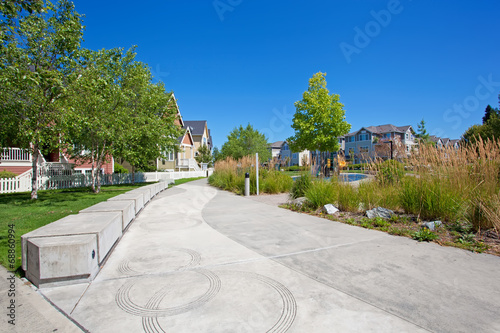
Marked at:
<point>407,136</point>
<point>364,137</point>
<point>171,156</point>
<point>294,155</point>
<point>351,151</point>
<point>363,150</point>
<point>387,135</point>
<point>163,161</point>
<point>351,138</point>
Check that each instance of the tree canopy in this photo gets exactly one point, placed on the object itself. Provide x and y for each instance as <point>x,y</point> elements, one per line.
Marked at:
<point>244,141</point>
<point>54,95</point>
<point>204,155</point>
<point>489,130</point>
<point>422,134</point>
<point>37,56</point>
<point>319,118</point>
<point>117,111</point>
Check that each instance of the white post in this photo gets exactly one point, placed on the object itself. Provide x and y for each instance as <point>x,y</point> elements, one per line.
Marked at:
<point>257,170</point>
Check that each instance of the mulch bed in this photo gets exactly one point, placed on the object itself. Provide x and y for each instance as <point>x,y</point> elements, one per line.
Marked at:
<point>406,225</point>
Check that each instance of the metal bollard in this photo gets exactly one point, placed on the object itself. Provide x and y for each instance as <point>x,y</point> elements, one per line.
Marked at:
<point>247,184</point>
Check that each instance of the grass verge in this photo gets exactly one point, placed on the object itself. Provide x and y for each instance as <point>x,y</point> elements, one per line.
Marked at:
<point>184,180</point>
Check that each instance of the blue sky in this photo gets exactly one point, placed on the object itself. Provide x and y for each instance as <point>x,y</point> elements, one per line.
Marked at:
<point>234,62</point>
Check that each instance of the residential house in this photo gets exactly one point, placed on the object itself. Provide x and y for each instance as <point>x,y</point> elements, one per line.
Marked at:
<point>275,149</point>
<point>201,134</point>
<point>379,141</point>
<point>183,157</point>
<point>293,158</point>
<point>19,161</point>
<point>444,142</point>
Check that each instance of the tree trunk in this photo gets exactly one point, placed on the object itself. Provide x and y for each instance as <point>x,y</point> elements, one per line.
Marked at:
<point>98,178</point>
<point>34,173</point>
<point>93,175</point>
<point>133,175</point>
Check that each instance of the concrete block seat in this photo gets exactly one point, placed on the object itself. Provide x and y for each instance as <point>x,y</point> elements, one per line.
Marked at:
<point>137,198</point>
<point>52,252</point>
<point>54,259</point>
<point>157,188</point>
<point>163,185</point>
<point>125,207</point>
<point>145,191</point>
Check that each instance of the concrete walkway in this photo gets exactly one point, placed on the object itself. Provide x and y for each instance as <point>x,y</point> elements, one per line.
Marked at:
<point>202,260</point>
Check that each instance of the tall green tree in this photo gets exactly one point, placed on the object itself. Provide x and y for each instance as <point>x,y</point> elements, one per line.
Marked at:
<point>38,49</point>
<point>152,131</point>
<point>98,116</point>
<point>216,154</point>
<point>422,134</point>
<point>490,130</point>
<point>204,155</point>
<point>489,112</point>
<point>244,141</point>
<point>319,118</point>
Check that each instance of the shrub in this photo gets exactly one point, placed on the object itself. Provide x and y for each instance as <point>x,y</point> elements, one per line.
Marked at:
<point>120,169</point>
<point>321,193</point>
<point>295,168</point>
<point>359,166</point>
<point>7,174</point>
<point>301,185</point>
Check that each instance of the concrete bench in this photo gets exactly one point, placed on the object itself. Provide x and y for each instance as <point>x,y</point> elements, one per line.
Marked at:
<point>156,188</point>
<point>138,198</point>
<point>54,259</point>
<point>145,191</point>
<point>74,247</point>
<point>125,207</point>
<point>106,227</point>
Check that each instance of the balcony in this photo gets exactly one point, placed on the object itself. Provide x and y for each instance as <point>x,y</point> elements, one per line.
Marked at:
<point>15,155</point>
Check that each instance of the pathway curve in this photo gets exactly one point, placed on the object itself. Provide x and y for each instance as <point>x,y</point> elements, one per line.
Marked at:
<point>202,260</point>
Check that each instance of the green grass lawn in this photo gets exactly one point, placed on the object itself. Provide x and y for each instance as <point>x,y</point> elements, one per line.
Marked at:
<point>25,215</point>
<point>185,180</point>
<point>352,171</point>
<point>292,173</point>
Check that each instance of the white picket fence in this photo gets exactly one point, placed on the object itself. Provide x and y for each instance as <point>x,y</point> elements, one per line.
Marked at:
<point>22,183</point>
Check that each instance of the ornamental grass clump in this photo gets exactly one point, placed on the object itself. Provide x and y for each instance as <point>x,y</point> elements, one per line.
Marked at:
<point>229,174</point>
<point>301,185</point>
<point>321,193</point>
<point>347,197</point>
<point>455,184</point>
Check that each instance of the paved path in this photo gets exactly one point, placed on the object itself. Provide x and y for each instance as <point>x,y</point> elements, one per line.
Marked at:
<point>202,260</point>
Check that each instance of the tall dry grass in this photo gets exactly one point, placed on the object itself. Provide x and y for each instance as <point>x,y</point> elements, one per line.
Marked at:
<point>229,174</point>
<point>455,184</point>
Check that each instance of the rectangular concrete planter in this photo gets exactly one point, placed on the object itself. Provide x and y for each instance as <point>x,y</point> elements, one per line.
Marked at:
<point>138,199</point>
<point>54,259</point>
<point>145,191</point>
<point>125,207</point>
<point>106,226</point>
<point>163,185</point>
